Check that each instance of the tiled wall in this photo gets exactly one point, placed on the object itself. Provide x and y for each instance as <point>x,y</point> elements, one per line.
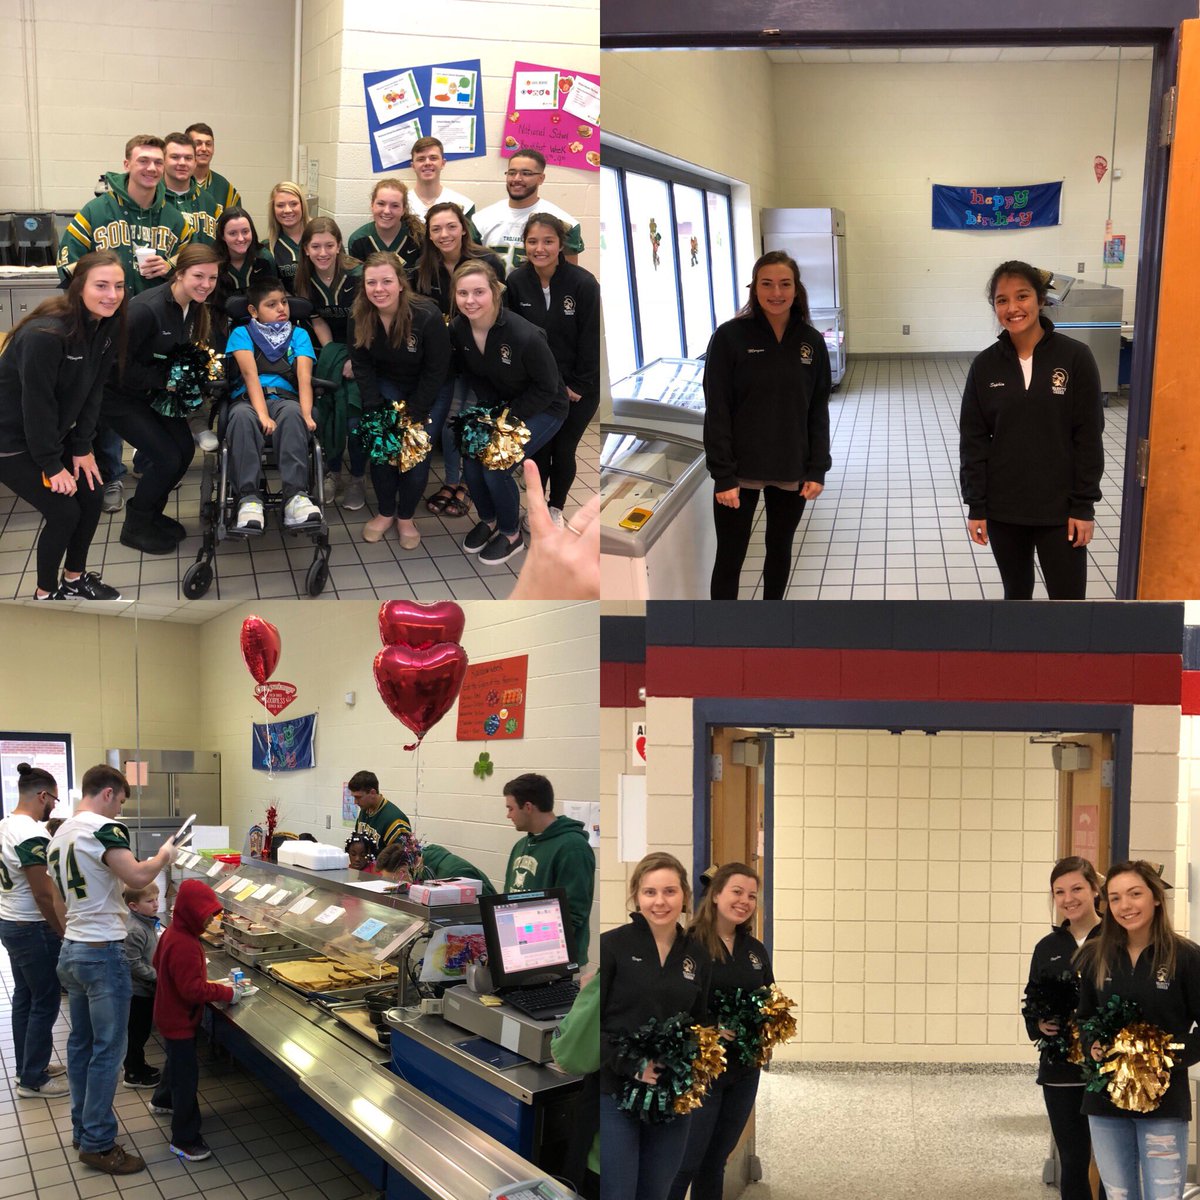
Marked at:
<point>371,37</point>
<point>98,74</point>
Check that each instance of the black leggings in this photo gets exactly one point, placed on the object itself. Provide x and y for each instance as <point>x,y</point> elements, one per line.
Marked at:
<point>555,461</point>
<point>1064,566</point>
<point>70,520</point>
<point>166,444</point>
<point>1073,1139</point>
<point>784,510</point>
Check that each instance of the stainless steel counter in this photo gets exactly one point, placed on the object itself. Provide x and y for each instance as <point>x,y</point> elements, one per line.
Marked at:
<point>436,1150</point>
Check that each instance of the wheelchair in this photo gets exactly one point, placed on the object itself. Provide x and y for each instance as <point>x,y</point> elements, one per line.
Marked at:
<point>218,501</point>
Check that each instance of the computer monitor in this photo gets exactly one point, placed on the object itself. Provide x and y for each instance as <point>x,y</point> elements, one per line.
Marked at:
<point>529,937</point>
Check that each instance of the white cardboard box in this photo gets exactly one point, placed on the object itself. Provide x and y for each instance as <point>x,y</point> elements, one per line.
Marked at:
<point>445,891</point>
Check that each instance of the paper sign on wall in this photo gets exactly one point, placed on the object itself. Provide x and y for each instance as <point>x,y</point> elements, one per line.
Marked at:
<point>631,817</point>
<point>491,704</point>
<point>587,812</point>
<point>556,111</point>
<point>637,744</point>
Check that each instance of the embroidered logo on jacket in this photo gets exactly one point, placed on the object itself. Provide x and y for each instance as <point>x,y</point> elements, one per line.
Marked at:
<point>506,355</point>
<point>568,306</point>
<point>411,343</point>
<point>755,961</point>
<point>1161,979</point>
<point>995,385</point>
<point>755,350</point>
<point>806,354</point>
<point>689,969</point>
<point>1058,381</point>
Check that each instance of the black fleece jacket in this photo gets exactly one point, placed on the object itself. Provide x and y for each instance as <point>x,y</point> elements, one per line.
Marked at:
<point>1052,956</point>
<point>1032,456</point>
<point>516,369</point>
<point>439,287</point>
<point>766,403</point>
<point>418,368</point>
<point>748,968</point>
<point>50,389</point>
<point>572,322</point>
<point>155,325</point>
<point>634,987</point>
<point>1172,1003</point>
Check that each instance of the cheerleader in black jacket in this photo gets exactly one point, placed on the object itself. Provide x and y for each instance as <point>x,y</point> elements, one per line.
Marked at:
<point>766,423</point>
<point>722,926</point>
<point>52,373</point>
<point>1138,956</point>
<point>564,300</point>
<point>1030,442</point>
<point>1075,890</point>
<point>648,968</point>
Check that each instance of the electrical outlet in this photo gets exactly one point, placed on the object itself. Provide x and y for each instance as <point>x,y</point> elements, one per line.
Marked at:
<point>905,329</point>
<point>1081,267</point>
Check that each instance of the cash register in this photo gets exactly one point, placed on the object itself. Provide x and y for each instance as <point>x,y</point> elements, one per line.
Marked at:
<point>527,987</point>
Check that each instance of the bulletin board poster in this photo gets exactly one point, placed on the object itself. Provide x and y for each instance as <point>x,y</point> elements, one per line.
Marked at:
<point>556,111</point>
<point>491,704</point>
<point>441,100</point>
<point>1023,206</point>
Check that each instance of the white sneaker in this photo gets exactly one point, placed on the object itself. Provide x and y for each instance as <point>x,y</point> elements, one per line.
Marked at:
<point>207,441</point>
<point>250,514</point>
<point>300,510</point>
<point>329,488</point>
<point>49,1090</point>
<point>556,515</point>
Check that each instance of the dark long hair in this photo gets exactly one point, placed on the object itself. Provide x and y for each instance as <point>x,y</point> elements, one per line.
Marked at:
<point>68,311</point>
<point>704,924</point>
<point>409,219</point>
<point>551,222</point>
<point>1037,279</point>
<point>304,268</point>
<point>1071,864</point>
<point>233,214</point>
<point>1100,954</point>
<point>366,316</point>
<point>197,255</point>
<point>430,261</point>
<point>775,258</point>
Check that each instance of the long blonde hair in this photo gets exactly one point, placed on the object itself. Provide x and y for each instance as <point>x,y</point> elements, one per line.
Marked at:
<point>366,316</point>
<point>273,227</point>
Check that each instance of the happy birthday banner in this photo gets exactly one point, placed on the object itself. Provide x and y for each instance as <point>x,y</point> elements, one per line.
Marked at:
<point>1026,207</point>
<point>556,111</point>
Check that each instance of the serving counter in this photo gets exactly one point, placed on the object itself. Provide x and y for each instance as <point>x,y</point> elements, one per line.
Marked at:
<point>329,1068</point>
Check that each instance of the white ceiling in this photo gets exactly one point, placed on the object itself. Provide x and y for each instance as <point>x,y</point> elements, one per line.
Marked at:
<point>962,54</point>
<point>189,612</point>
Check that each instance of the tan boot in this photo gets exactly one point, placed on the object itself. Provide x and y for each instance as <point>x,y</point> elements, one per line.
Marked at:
<point>408,541</point>
<point>375,528</point>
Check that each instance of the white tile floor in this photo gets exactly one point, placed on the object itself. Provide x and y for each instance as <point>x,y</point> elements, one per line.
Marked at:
<point>260,1150</point>
<point>274,565</point>
<point>890,524</point>
<point>903,1135</point>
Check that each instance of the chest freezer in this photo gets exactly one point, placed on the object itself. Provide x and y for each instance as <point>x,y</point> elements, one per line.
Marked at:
<point>664,394</point>
<point>657,539</point>
<point>1090,313</point>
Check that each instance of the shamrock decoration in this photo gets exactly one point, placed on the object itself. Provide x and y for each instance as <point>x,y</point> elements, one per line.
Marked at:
<point>484,766</point>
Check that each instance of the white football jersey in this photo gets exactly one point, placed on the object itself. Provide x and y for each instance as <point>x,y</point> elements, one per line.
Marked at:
<point>23,843</point>
<point>96,910</point>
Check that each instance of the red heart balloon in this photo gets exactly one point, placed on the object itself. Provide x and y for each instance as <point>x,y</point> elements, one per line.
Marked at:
<point>410,623</point>
<point>260,648</point>
<point>419,686</point>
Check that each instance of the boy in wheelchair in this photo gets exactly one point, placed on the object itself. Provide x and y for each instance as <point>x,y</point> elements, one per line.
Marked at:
<point>274,396</point>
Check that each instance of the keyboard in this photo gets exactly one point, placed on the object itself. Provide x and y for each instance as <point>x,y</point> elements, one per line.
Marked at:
<point>536,1001</point>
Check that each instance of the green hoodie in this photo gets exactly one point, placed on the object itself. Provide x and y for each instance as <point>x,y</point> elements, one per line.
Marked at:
<point>201,210</point>
<point>440,863</point>
<point>576,1045</point>
<point>114,222</point>
<point>559,856</point>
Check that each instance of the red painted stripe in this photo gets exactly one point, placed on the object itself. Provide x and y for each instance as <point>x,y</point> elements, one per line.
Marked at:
<point>620,684</point>
<point>1190,698</point>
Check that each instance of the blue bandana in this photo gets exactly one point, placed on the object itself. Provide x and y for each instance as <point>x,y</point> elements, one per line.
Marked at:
<point>272,339</point>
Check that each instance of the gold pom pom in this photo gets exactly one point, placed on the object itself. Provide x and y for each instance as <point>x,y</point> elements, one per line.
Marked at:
<point>779,1025</point>
<point>1140,1065</point>
<point>1074,1046</point>
<point>706,1066</point>
<point>414,440</point>
<point>505,449</point>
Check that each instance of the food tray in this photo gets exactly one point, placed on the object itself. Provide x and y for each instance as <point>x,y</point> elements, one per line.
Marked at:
<point>261,958</point>
<point>355,1017</point>
<point>266,939</point>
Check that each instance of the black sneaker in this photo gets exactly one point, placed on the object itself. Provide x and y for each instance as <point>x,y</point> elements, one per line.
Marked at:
<point>478,538</point>
<point>499,549</point>
<point>89,586</point>
<point>56,594</point>
<point>160,1110</point>
<point>143,1079</point>
<point>197,1151</point>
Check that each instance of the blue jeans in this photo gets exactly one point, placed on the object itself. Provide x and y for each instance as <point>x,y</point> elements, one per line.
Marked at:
<point>494,493</point>
<point>1143,1157</point>
<point>108,448</point>
<point>638,1162</point>
<point>98,989</point>
<point>452,396</point>
<point>354,450</point>
<point>713,1131</point>
<point>32,948</point>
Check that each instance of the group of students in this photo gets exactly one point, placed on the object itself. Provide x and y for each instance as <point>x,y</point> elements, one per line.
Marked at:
<point>654,968</point>
<point>414,309</point>
<point>78,912</point>
<point>1031,452</point>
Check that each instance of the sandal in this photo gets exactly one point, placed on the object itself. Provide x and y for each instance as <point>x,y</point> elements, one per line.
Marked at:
<point>460,505</point>
<point>444,496</point>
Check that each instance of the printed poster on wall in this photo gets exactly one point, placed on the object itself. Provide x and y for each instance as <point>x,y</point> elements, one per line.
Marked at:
<point>556,111</point>
<point>442,100</point>
<point>285,745</point>
<point>1028,206</point>
<point>491,705</point>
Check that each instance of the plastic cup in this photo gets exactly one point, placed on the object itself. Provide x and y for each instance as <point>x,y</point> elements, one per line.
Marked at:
<point>143,254</point>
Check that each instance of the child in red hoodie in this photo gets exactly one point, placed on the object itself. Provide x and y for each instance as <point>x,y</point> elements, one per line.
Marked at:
<point>183,990</point>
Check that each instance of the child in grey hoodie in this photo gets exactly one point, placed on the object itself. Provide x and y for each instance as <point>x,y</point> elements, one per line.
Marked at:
<point>140,943</point>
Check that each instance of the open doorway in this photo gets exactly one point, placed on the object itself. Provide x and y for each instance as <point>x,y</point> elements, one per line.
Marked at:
<point>866,133</point>
<point>905,881</point>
